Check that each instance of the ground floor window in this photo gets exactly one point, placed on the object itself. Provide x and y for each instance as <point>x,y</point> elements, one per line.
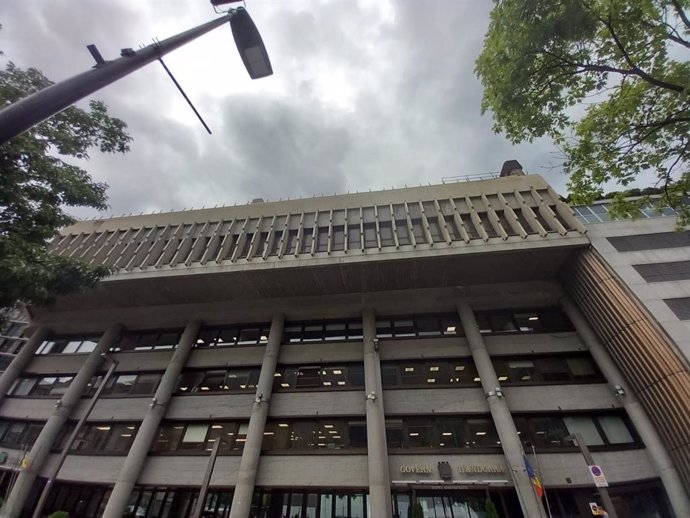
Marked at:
<point>456,504</point>
<point>640,500</point>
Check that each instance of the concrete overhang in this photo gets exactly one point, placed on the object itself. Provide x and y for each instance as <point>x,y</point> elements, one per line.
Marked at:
<point>498,261</point>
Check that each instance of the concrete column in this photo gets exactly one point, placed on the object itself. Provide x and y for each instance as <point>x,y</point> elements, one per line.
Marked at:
<point>532,507</point>
<point>246,476</point>
<point>20,361</point>
<point>129,473</point>
<point>655,448</point>
<point>377,448</point>
<point>63,410</point>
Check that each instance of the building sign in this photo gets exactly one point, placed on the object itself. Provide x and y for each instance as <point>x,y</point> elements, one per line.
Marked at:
<point>597,510</point>
<point>415,469</point>
<point>462,468</point>
<point>598,476</point>
<point>481,468</point>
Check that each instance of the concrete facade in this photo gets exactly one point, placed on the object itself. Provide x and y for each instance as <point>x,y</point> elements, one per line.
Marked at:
<point>483,257</point>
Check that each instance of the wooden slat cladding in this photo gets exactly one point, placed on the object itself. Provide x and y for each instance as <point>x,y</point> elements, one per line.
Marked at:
<point>450,222</point>
<point>644,353</point>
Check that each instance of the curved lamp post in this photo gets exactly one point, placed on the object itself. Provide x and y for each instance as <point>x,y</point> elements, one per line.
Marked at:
<point>26,113</point>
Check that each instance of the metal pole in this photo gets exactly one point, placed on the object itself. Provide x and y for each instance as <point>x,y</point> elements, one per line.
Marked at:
<point>26,113</point>
<point>68,445</point>
<point>207,479</point>
<point>546,496</point>
<point>603,491</point>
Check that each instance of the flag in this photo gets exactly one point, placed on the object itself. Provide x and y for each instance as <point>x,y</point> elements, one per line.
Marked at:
<point>538,487</point>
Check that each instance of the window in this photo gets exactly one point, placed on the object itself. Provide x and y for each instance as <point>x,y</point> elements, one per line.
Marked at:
<point>435,229</point>
<point>546,369</point>
<point>229,336</point>
<point>418,228</point>
<point>68,345</point>
<point>441,432</point>
<point>386,233</point>
<point>219,380</point>
<point>322,240</point>
<point>599,431</point>
<point>192,437</point>
<point>547,320</point>
<point>403,232</point>
<point>338,238</point>
<point>323,434</point>
<point>19,434</point>
<point>291,244</point>
<point>650,241</point>
<point>680,307</point>
<point>328,377</point>
<point>354,237</point>
<point>420,326</point>
<point>322,331</point>
<point>664,272</point>
<point>147,341</point>
<point>370,240</point>
<point>126,384</point>
<point>307,240</point>
<point>429,374</point>
<point>105,437</point>
<point>46,386</point>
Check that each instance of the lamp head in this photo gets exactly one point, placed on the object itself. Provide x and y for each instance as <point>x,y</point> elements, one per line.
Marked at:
<point>250,45</point>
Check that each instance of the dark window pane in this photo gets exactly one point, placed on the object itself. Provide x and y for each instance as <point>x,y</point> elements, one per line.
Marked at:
<point>353,237</point>
<point>482,433</point>
<point>146,384</point>
<point>403,232</point>
<point>309,377</point>
<point>547,431</point>
<point>420,434</point>
<point>227,337</point>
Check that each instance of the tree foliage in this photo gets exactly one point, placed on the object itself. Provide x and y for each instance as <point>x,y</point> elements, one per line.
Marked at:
<point>608,80</point>
<point>37,185</point>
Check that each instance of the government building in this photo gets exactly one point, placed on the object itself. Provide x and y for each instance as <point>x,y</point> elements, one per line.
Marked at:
<point>443,351</point>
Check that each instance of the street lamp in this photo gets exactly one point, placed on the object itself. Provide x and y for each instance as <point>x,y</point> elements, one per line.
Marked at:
<point>26,113</point>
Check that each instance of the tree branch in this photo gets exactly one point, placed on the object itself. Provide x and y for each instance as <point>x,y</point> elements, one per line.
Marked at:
<point>634,69</point>
<point>681,13</point>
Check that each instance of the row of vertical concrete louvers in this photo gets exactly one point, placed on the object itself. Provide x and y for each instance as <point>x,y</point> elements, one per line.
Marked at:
<point>648,358</point>
<point>453,221</point>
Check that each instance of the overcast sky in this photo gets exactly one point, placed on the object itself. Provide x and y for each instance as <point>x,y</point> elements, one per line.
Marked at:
<point>365,95</point>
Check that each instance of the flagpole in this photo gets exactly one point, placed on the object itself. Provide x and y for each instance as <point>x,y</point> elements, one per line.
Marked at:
<point>534,489</point>
<point>543,485</point>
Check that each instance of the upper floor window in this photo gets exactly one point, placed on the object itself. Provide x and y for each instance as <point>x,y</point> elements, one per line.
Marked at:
<point>102,437</point>
<point>322,434</point>
<point>419,326</point>
<point>547,320</point>
<point>600,431</point>
<point>68,345</point>
<point>147,341</point>
<point>429,374</point>
<point>441,432</point>
<point>218,380</point>
<point>546,369</point>
<point>126,384</point>
<point>190,437</point>
<point>41,386</point>
<point>322,331</point>
<point>229,336</point>
<point>327,377</point>
<point>19,434</point>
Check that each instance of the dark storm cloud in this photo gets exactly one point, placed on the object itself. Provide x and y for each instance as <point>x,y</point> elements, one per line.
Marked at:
<point>364,96</point>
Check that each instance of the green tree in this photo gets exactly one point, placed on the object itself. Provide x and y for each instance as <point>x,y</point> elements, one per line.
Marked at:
<point>608,80</point>
<point>37,184</point>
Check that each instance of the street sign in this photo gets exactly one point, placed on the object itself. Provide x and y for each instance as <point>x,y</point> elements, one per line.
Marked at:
<point>598,476</point>
<point>597,510</point>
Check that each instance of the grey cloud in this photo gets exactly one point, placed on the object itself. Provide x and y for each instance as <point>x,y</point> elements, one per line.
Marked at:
<point>411,112</point>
